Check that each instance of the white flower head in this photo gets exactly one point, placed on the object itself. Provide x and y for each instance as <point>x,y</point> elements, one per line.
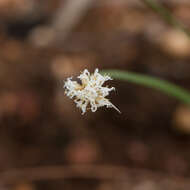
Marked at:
<point>90,93</point>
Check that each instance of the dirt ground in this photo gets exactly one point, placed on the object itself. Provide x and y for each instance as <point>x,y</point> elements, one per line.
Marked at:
<point>45,142</point>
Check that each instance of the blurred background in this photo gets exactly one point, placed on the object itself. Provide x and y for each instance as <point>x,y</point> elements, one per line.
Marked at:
<point>45,142</point>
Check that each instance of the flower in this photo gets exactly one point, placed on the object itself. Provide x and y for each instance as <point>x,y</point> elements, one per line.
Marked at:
<point>90,93</point>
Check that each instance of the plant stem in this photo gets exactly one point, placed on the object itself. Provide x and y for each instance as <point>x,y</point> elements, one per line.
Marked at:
<point>152,82</point>
<point>167,15</point>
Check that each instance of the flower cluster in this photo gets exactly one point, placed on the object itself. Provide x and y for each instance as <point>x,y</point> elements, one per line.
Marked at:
<point>90,93</point>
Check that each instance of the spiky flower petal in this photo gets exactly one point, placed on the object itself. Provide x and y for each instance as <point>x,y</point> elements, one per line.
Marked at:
<point>90,93</point>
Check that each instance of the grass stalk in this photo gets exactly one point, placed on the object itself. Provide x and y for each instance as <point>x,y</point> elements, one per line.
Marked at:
<point>151,82</point>
<point>167,15</point>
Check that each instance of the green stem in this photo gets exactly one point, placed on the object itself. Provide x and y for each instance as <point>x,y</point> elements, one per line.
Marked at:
<point>152,82</point>
<point>167,15</point>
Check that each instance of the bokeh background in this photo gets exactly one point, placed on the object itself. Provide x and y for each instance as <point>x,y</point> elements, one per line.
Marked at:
<point>45,142</point>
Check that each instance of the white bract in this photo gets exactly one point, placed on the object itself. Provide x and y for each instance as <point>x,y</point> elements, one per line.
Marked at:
<point>90,93</point>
